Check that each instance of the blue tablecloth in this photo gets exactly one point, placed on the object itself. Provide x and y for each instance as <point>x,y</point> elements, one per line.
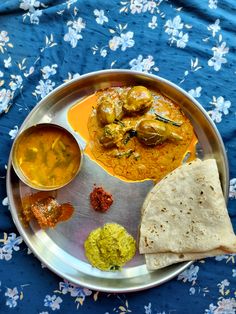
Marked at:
<point>44,43</point>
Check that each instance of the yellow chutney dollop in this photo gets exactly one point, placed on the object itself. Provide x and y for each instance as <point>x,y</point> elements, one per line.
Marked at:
<point>109,247</point>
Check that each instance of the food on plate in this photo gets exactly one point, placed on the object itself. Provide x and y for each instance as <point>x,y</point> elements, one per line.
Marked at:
<point>136,133</point>
<point>161,260</point>
<point>45,209</point>
<point>47,155</point>
<point>185,217</point>
<point>109,108</point>
<point>106,111</point>
<point>139,99</point>
<point>136,101</point>
<point>110,247</point>
<point>48,212</point>
<point>112,135</point>
<point>26,213</point>
<point>100,200</point>
<point>153,132</point>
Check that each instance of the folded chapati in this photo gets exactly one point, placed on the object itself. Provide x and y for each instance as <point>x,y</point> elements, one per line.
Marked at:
<point>161,260</point>
<point>185,217</point>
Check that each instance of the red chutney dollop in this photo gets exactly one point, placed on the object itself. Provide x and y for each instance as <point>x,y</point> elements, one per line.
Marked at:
<point>100,199</point>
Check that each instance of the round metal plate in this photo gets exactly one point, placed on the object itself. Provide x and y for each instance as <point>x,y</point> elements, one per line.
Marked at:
<point>61,249</point>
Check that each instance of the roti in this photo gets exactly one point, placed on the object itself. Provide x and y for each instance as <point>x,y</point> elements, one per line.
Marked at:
<point>161,260</point>
<point>185,217</point>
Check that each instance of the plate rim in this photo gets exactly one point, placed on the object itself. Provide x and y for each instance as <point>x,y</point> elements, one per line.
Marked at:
<point>181,266</point>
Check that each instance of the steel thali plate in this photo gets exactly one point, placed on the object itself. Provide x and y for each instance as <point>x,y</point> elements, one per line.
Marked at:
<point>61,248</point>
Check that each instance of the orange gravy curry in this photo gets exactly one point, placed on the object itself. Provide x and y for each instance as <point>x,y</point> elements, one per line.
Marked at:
<point>131,160</point>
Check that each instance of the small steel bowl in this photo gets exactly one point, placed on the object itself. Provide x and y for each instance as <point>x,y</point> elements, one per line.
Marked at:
<point>21,139</point>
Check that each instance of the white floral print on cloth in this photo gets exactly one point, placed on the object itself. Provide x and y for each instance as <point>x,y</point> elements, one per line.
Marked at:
<point>33,10</point>
<point>232,188</point>
<point>196,93</point>
<point>9,244</point>
<point>221,108</point>
<point>143,64</point>
<point>124,41</point>
<point>219,53</point>
<point>174,28</point>
<point>5,97</point>
<point>74,31</point>
<point>12,297</point>
<point>46,43</point>
<point>53,302</point>
<point>100,16</point>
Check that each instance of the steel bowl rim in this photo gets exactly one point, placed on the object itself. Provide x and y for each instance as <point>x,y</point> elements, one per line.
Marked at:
<point>20,173</point>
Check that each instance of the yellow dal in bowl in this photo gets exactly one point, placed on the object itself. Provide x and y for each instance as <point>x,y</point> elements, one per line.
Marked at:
<point>46,156</point>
